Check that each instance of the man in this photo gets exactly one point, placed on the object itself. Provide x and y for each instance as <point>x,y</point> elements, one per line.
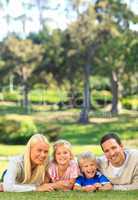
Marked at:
<point>119,165</point>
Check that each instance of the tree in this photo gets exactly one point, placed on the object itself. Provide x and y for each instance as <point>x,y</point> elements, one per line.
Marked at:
<point>117,17</point>
<point>86,34</point>
<point>22,57</point>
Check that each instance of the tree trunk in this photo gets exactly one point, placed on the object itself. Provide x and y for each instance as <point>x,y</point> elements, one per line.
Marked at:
<point>114,88</point>
<point>25,101</point>
<point>84,115</point>
<point>11,82</point>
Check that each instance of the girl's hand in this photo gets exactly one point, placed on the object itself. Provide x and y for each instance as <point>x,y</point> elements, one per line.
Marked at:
<point>46,187</point>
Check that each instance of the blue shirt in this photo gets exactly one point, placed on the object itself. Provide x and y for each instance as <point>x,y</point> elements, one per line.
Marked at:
<point>98,178</point>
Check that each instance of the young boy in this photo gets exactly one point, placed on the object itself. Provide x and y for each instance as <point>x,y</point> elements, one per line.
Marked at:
<point>91,179</point>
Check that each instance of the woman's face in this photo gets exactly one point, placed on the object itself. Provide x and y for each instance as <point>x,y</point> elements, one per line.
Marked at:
<point>39,153</point>
<point>62,155</point>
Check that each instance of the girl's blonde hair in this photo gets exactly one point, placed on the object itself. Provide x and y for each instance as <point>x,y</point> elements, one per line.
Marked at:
<point>86,156</point>
<point>39,172</point>
<point>64,143</point>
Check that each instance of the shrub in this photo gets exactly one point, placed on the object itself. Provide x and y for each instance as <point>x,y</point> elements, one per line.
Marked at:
<point>13,131</point>
<point>130,103</point>
<point>102,97</point>
<point>18,131</point>
<point>11,96</point>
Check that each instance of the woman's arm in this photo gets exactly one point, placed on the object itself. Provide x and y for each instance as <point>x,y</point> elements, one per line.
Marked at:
<point>10,184</point>
<point>1,187</point>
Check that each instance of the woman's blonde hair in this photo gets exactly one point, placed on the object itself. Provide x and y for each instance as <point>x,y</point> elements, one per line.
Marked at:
<point>38,174</point>
<point>64,143</point>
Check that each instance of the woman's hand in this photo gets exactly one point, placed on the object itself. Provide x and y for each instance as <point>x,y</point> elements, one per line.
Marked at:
<point>1,187</point>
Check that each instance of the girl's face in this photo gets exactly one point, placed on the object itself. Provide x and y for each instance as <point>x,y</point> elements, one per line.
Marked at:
<point>62,155</point>
<point>88,167</point>
<point>39,153</point>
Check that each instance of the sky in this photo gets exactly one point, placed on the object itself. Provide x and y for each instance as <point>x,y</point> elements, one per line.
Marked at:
<point>15,9</point>
<point>59,20</point>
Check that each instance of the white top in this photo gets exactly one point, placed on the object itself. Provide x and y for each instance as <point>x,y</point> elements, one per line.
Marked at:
<point>14,176</point>
<point>118,170</point>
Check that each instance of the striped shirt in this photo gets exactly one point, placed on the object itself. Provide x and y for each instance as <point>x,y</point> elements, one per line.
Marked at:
<point>72,171</point>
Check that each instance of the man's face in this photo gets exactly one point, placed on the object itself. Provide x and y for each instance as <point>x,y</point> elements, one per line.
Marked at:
<point>114,152</point>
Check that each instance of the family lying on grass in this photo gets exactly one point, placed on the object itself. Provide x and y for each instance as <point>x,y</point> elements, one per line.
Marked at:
<point>117,169</point>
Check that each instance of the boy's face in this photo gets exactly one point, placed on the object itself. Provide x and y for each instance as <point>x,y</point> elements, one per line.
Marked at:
<point>88,167</point>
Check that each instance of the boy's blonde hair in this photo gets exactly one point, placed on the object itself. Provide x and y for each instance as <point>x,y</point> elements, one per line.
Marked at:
<point>38,174</point>
<point>86,156</point>
<point>62,142</point>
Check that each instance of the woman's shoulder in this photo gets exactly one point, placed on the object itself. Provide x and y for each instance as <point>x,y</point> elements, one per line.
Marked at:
<point>17,159</point>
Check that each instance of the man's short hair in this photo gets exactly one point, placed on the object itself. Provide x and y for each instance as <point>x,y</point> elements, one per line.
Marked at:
<point>109,136</point>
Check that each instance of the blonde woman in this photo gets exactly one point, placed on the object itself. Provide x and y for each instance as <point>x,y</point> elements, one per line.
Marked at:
<point>29,171</point>
<point>63,169</point>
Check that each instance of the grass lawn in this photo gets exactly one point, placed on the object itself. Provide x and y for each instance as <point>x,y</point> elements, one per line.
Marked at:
<point>71,195</point>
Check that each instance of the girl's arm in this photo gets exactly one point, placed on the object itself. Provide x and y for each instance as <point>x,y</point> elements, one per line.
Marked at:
<point>77,187</point>
<point>64,185</point>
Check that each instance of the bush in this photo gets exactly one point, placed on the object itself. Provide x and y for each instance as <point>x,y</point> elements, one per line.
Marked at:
<point>102,97</point>
<point>18,131</point>
<point>13,131</point>
<point>11,96</point>
<point>51,131</point>
<point>130,103</point>
<point>47,96</point>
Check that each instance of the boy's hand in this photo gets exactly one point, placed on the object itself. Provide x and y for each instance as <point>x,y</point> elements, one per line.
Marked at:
<point>89,188</point>
<point>98,186</point>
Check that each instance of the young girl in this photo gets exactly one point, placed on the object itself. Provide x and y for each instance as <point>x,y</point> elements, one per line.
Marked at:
<point>63,169</point>
<point>91,179</point>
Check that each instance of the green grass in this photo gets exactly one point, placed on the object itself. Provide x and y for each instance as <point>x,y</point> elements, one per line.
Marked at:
<point>10,150</point>
<point>71,195</point>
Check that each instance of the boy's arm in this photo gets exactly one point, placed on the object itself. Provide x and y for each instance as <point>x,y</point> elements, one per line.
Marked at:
<point>107,186</point>
<point>77,187</point>
<point>89,188</point>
